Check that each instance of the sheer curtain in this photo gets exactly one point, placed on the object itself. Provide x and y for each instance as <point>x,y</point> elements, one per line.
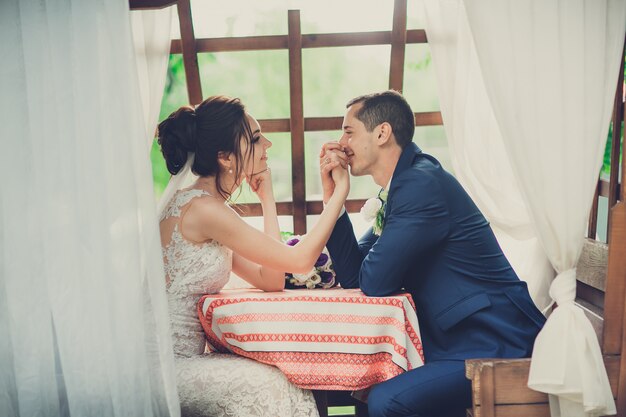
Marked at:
<point>477,151</point>
<point>550,69</point>
<point>151,35</point>
<point>83,312</point>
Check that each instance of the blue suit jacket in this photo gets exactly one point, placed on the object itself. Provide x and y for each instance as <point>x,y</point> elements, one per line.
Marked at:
<point>438,246</point>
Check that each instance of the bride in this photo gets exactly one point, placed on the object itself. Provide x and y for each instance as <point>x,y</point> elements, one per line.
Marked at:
<point>204,239</point>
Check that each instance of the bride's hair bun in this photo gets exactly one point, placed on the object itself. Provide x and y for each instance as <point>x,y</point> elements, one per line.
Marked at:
<point>177,136</point>
<point>217,125</point>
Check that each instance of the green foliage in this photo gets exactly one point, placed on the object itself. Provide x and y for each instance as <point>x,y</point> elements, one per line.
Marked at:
<point>261,80</point>
<point>175,95</point>
<point>606,166</point>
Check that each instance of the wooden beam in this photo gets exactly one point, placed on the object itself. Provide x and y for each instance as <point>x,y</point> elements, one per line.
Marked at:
<point>398,45</point>
<point>510,379</point>
<point>331,40</point>
<point>190,56</point>
<point>296,106</point>
<point>593,263</point>
<point>352,206</point>
<point>431,118</point>
<point>248,43</point>
<point>285,208</point>
<point>274,125</point>
<point>150,4</point>
<point>320,124</point>
<point>321,40</point>
<point>604,188</point>
<point>615,283</point>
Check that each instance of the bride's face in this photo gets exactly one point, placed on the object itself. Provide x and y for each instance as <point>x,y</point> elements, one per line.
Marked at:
<point>256,162</point>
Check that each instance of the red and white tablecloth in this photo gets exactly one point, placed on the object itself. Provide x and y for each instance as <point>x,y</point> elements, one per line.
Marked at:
<point>333,339</point>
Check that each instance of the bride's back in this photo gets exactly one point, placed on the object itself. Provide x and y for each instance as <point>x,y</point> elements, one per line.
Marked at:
<point>192,269</point>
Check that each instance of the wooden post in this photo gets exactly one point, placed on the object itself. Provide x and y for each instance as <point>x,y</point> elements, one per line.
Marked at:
<point>297,122</point>
<point>622,193</point>
<point>618,109</point>
<point>593,215</point>
<point>487,391</point>
<point>398,45</point>
<point>150,4</point>
<point>190,56</point>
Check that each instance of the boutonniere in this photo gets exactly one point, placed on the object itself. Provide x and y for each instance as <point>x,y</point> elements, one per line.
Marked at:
<point>374,209</point>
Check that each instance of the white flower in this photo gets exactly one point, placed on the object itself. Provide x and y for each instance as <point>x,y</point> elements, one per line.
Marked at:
<point>327,267</point>
<point>371,208</point>
<point>315,279</point>
<point>303,278</point>
<point>322,275</point>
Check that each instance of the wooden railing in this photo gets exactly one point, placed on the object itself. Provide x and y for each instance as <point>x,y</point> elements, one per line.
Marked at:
<point>614,188</point>
<point>295,41</point>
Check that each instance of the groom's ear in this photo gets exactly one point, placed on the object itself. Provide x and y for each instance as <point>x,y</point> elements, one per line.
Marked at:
<point>384,133</point>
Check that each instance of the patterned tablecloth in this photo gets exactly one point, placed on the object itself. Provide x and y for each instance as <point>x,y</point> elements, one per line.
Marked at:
<point>321,339</point>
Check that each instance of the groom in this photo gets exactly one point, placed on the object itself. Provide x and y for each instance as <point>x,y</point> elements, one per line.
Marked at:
<point>435,244</point>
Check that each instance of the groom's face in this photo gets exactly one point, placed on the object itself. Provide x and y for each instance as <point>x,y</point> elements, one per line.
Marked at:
<point>358,144</point>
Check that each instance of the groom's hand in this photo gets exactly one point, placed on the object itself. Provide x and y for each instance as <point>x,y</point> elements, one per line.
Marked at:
<point>331,156</point>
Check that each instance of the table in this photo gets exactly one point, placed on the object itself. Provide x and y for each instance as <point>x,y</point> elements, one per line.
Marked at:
<point>335,339</point>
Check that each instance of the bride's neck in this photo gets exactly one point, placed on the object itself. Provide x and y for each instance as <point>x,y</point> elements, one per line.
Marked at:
<point>209,184</point>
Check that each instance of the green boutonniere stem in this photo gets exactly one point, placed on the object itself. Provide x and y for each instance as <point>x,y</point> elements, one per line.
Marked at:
<point>379,221</point>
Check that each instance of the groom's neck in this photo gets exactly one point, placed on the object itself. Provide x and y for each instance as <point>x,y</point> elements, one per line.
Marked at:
<point>382,177</point>
<point>385,166</point>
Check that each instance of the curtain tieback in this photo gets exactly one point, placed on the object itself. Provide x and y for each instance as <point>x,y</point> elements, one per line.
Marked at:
<point>563,288</point>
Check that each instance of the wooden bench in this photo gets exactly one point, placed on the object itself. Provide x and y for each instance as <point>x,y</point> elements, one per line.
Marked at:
<point>499,386</point>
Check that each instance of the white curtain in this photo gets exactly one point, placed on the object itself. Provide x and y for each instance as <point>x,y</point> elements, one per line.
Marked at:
<point>83,313</point>
<point>478,156</point>
<point>151,35</point>
<point>550,69</point>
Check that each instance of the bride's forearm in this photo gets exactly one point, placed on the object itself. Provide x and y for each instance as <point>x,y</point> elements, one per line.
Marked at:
<point>270,219</point>
<point>313,243</point>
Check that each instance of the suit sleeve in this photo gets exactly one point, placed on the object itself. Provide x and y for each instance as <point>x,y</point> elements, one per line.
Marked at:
<point>418,221</point>
<point>346,253</point>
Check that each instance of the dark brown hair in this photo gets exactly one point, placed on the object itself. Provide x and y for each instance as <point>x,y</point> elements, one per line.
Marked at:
<point>388,106</point>
<point>215,125</point>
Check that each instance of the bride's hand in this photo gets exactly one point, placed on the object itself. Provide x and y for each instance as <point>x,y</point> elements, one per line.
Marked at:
<point>341,178</point>
<point>261,184</point>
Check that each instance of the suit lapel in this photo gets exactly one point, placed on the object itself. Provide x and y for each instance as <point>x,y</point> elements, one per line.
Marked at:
<point>407,157</point>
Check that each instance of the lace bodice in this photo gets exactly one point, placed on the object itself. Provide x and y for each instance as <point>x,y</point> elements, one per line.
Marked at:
<point>192,270</point>
<point>216,384</point>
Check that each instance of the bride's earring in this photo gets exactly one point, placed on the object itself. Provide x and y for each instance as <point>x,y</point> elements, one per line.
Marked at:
<point>230,171</point>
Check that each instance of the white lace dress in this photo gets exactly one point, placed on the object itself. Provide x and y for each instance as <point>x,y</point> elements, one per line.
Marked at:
<point>216,384</point>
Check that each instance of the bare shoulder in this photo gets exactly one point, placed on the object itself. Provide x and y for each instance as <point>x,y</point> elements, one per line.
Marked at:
<point>207,208</point>
<point>212,217</point>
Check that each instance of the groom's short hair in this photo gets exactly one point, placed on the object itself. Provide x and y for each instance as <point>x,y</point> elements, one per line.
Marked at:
<point>387,106</point>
